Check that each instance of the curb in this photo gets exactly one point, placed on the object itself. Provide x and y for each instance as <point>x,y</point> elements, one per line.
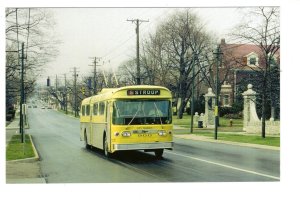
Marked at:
<point>66,114</point>
<point>26,181</point>
<point>36,180</point>
<point>17,127</point>
<point>204,139</point>
<point>28,160</point>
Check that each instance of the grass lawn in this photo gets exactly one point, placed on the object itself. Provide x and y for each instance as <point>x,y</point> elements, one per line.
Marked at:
<point>224,122</point>
<point>230,136</point>
<point>253,139</point>
<point>186,120</point>
<point>16,150</point>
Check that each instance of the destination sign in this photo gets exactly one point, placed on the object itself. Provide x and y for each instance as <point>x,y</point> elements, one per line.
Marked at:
<point>143,92</point>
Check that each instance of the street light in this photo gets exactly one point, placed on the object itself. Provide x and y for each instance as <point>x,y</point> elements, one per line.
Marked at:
<point>193,99</point>
<point>218,58</point>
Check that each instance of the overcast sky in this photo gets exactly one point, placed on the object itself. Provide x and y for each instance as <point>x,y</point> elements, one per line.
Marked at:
<point>116,30</point>
<point>106,33</point>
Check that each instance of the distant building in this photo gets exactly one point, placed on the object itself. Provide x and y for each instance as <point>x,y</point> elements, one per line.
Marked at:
<point>239,61</point>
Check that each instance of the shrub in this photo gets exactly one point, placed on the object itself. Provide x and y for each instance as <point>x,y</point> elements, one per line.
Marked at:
<point>9,117</point>
<point>234,115</point>
<point>234,112</point>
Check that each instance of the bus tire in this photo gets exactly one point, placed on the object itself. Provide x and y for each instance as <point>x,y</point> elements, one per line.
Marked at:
<point>105,147</point>
<point>87,146</point>
<point>159,153</point>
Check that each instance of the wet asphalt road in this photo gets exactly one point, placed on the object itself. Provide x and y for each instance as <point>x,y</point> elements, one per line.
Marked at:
<point>65,160</point>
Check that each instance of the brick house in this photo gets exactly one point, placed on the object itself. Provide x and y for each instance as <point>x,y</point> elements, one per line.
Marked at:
<point>238,62</point>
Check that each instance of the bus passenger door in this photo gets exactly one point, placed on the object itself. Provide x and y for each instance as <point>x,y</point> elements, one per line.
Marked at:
<point>91,126</point>
<point>108,122</point>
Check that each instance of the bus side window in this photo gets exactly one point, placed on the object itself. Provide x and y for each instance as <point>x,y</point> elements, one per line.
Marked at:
<point>88,110</point>
<point>101,108</point>
<point>95,109</point>
<point>83,110</point>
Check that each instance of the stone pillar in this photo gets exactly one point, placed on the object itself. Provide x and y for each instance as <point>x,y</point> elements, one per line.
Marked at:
<point>196,118</point>
<point>209,117</point>
<point>249,112</point>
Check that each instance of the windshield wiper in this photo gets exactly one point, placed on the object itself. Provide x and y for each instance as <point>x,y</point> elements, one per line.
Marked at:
<point>157,111</point>
<point>135,114</point>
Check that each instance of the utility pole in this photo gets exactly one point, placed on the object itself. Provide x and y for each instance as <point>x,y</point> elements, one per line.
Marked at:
<point>95,74</point>
<point>218,54</point>
<point>65,95</point>
<point>75,91</point>
<point>56,101</point>
<point>138,70</point>
<point>193,99</point>
<point>56,84</point>
<point>22,96</point>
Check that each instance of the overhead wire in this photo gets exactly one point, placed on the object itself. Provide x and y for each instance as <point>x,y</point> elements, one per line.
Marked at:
<point>242,40</point>
<point>17,26</point>
<point>28,24</point>
<point>123,42</point>
<point>142,29</point>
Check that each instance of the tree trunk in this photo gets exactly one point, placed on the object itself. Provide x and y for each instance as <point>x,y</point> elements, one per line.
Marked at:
<point>180,111</point>
<point>263,116</point>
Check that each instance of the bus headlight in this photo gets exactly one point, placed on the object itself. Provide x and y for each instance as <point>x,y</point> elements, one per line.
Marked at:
<point>126,134</point>
<point>161,133</point>
<point>117,133</point>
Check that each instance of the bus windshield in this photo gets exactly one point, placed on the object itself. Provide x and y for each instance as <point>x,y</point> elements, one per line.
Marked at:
<point>133,112</point>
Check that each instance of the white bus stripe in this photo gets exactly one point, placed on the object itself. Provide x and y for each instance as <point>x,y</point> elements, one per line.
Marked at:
<point>227,166</point>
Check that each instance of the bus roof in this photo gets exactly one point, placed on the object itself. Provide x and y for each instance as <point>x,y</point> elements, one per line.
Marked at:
<point>86,101</point>
<point>122,92</point>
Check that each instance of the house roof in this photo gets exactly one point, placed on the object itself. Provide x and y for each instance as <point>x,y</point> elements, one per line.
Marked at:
<point>240,51</point>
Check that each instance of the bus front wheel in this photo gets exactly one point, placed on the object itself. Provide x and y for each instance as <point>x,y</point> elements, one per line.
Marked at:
<point>105,147</point>
<point>159,153</point>
<point>87,146</point>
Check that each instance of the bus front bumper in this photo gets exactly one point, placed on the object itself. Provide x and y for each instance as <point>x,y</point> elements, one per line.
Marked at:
<point>143,146</point>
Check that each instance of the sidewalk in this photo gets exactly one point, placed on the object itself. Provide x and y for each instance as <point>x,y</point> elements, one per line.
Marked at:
<point>25,170</point>
<point>208,139</point>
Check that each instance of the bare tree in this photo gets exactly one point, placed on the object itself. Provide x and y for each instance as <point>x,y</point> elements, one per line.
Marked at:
<point>34,27</point>
<point>127,72</point>
<point>173,50</point>
<point>156,62</point>
<point>263,31</point>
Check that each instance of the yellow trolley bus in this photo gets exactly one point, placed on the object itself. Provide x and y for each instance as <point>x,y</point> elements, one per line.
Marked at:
<point>128,118</point>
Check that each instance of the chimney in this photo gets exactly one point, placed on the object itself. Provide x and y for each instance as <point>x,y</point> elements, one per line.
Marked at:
<point>223,41</point>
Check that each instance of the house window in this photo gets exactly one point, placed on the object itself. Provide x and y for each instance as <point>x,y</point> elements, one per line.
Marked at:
<point>226,100</point>
<point>253,61</point>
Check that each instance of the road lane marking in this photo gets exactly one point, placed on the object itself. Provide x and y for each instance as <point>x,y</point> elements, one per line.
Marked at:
<point>226,166</point>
